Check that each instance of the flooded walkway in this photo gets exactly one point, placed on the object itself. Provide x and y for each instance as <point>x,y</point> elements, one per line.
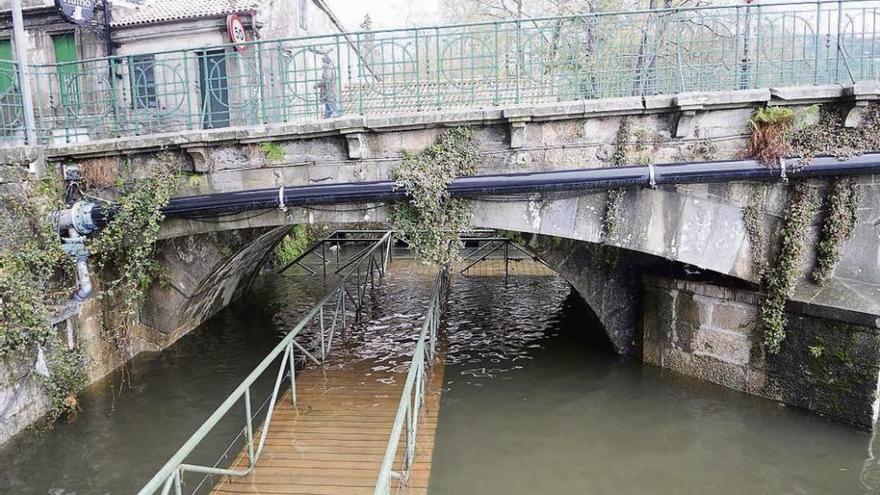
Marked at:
<point>334,440</point>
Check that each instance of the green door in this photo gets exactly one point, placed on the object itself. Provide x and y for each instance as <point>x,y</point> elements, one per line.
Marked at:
<point>10,104</point>
<point>65,51</point>
<point>8,75</point>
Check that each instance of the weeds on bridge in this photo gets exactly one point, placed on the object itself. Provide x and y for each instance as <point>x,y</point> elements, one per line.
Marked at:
<point>782,276</point>
<point>35,274</point>
<point>631,146</point>
<point>429,218</point>
<point>769,141</point>
<point>124,250</point>
<point>37,277</point>
<point>826,136</point>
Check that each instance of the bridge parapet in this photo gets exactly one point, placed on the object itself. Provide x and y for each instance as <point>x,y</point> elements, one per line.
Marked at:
<point>686,111</point>
<point>479,65</point>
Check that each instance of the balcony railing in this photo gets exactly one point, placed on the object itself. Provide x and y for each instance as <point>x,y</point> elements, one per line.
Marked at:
<point>474,65</point>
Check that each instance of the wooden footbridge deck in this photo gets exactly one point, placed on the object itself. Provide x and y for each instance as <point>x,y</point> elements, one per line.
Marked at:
<point>357,425</point>
<point>333,444</point>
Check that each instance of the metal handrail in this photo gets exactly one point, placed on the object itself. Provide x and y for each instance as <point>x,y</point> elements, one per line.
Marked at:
<point>170,475</point>
<point>413,395</point>
<point>525,61</point>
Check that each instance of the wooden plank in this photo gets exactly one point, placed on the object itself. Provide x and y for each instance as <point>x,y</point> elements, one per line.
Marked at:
<point>334,441</point>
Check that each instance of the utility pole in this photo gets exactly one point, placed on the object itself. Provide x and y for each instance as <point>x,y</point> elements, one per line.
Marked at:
<point>27,100</point>
<point>108,37</point>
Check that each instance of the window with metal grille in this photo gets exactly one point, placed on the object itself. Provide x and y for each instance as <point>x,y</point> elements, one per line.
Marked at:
<point>143,82</point>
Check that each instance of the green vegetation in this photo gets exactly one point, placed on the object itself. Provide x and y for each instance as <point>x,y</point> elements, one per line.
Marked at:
<point>295,243</point>
<point>781,277</point>
<point>35,274</point>
<point>430,220</point>
<point>67,378</point>
<point>753,217</point>
<point>629,146</point>
<point>829,135</point>
<point>273,151</point>
<point>700,149</point>
<point>769,141</point>
<point>777,132</point>
<point>838,224</point>
<point>123,251</point>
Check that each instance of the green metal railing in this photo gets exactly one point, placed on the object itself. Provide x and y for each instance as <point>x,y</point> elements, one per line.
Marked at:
<point>487,64</point>
<point>355,277</point>
<point>413,396</point>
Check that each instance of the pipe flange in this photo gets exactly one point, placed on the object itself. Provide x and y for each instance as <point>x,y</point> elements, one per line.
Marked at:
<point>81,217</point>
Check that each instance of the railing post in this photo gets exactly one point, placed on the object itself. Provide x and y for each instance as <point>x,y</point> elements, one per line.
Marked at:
<point>736,50</point>
<point>816,48</point>
<point>249,427</point>
<point>520,58</point>
<point>839,44</point>
<point>364,76</point>
<point>418,67</point>
<point>292,375</point>
<point>187,89</point>
<point>497,64</point>
<point>321,329</point>
<point>24,74</point>
<point>438,61</point>
<point>114,97</point>
<point>178,483</point>
<point>261,92</point>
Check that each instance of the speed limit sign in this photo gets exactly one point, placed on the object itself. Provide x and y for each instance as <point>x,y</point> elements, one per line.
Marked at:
<point>237,33</point>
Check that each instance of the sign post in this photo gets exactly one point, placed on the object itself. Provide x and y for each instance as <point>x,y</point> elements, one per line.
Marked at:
<point>27,101</point>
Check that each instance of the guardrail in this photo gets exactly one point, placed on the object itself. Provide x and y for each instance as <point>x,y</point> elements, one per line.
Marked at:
<point>170,476</point>
<point>413,396</point>
<point>600,55</point>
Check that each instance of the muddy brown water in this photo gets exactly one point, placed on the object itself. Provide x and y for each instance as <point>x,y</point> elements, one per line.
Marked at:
<point>534,401</point>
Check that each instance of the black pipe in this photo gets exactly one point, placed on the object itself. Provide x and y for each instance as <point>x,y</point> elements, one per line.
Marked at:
<point>534,182</point>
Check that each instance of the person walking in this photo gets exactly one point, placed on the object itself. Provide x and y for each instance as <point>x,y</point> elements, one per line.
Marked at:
<point>327,88</point>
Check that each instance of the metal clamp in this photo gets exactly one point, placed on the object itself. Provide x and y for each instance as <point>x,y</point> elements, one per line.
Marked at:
<point>652,178</point>
<point>782,170</point>
<point>281,205</point>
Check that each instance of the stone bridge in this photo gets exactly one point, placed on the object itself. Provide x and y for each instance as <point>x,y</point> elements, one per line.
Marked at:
<point>685,254</point>
<point>541,96</point>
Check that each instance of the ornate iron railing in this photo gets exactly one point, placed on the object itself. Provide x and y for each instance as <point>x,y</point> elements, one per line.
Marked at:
<point>355,277</point>
<point>413,396</point>
<point>600,55</point>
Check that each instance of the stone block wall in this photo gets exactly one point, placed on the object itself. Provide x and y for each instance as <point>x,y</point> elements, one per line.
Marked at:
<point>828,366</point>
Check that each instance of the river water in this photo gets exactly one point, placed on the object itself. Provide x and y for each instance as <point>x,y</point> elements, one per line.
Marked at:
<point>534,402</point>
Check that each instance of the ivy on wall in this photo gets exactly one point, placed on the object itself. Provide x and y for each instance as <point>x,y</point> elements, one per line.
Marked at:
<point>838,224</point>
<point>777,133</point>
<point>429,219</point>
<point>36,276</point>
<point>829,136</point>
<point>123,251</point>
<point>67,379</point>
<point>782,275</point>
<point>631,147</point>
<point>300,238</point>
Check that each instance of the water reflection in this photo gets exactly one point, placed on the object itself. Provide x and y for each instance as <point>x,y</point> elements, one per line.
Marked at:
<point>870,478</point>
<point>533,405</point>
